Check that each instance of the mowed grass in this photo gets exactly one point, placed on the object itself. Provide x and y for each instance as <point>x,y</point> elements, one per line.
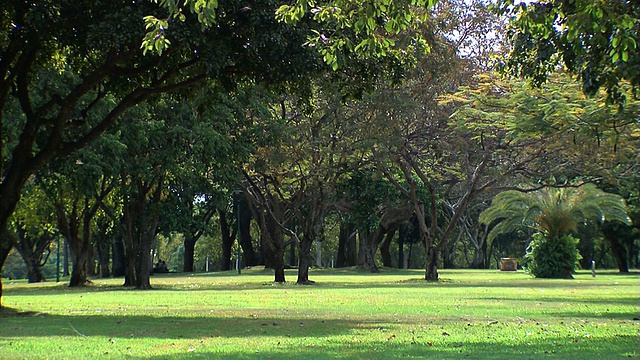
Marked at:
<point>347,314</point>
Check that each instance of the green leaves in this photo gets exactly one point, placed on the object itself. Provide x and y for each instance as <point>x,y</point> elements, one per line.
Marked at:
<point>594,39</point>
<point>553,211</point>
<point>155,40</point>
<point>367,29</point>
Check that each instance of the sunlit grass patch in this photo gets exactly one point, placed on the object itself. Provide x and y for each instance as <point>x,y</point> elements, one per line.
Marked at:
<point>347,315</point>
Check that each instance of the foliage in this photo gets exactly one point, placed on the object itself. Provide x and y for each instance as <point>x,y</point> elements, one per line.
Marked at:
<point>596,40</point>
<point>338,29</point>
<point>553,211</point>
<point>552,257</point>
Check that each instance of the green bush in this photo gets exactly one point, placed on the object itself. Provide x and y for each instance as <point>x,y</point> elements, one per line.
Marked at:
<point>552,257</point>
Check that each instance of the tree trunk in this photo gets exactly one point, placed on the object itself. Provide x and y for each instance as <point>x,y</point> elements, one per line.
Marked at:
<point>367,252</point>
<point>65,257</point>
<point>119,262</point>
<point>31,250</point>
<point>276,246</point>
<point>402,231</point>
<point>34,271</point>
<point>189,253</point>
<point>228,238</point>
<point>79,259</point>
<point>615,234</point>
<point>347,247</point>
<point>305,256</point>
<point>143,265</point>
<point>5,249</point>
<point>385,246</point>
<point>292,253</point>
<point>79,274</point>
<point>305,259</point>
<point>248,252</point>
<point>103,256</point>
<point>431,272</point>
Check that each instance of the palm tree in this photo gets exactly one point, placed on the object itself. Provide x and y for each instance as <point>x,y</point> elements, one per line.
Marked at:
<point>553,212</point>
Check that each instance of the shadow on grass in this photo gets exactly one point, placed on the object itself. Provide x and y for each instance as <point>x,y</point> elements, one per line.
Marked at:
<point>22,325</point>
<point>565,347</point>
<point>332,338</point>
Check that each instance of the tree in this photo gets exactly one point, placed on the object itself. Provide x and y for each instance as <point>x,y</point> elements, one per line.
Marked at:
<point>33,231</point>
<point>595,40</point>
<point>91,56</point>
<point>555,213</point>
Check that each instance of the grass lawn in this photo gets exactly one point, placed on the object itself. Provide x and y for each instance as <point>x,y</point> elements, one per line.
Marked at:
<point>348,314</point>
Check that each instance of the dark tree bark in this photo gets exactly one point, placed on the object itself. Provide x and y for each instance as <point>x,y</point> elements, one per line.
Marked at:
<point>431,273</point>
<point>401,236</point>
<point>81,246</point>
<point>347,246</point>
<point>248,252</point>
<point>189,253</point>
<point>140,220</point>
<point>118,259</point>
<point>305,261</point>
<point>103,248</point>
<point>32,250</point>
<point>366,255</point>
<point>615,234</point>
<point>292,252</point>
<point>269,212</point>
<point>386,245</point>
<point>65,258</point>
<point>5,249</point>
<point>193,232</point>
<point>75,225</point>
<point>228,237</point>
<point>311,219</point>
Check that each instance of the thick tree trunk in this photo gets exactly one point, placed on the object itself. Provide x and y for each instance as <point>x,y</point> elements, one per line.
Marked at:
<point>368,254</point>
<point>614,234</point>
<point>79,274</point>
<point>5,249</point>
<point>431,272</point>
<point>189,253</point>
<point>305,259</point>
<point>34,271</point>
<point>80,260</point>
<point>143,265</point>
<point>129,269</point>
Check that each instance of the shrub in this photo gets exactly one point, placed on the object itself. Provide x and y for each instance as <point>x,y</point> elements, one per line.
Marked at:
<point>552,257</point>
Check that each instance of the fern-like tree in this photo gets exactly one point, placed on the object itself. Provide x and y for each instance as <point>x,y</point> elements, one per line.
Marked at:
<point>555,213</point>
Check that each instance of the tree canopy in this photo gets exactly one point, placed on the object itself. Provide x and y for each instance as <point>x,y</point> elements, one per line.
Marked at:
<point>596,40</point>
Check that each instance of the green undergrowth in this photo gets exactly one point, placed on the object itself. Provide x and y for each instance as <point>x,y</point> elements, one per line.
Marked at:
<point>347,314</point>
